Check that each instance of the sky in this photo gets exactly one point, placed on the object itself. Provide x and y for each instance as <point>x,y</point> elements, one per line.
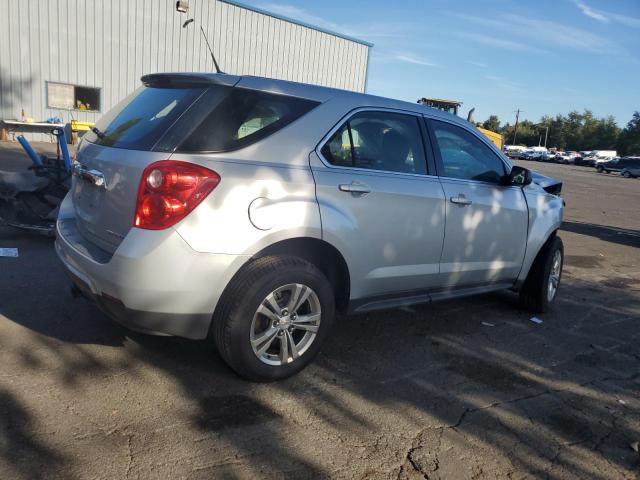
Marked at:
<point>542,57</point>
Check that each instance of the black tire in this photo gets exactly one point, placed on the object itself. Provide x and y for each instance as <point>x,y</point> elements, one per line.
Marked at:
<point>600,169</point>
<point>626,174</point>
<point>231,326</point>
<point>534,292</point>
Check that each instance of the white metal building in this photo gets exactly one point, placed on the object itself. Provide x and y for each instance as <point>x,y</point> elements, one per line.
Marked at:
<point>78,58</point>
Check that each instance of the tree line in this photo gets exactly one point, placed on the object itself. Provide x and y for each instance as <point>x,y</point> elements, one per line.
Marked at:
<point>575,131</point>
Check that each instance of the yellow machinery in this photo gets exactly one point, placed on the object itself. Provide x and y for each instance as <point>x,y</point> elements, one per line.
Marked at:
<point>451,106</point>
<point>495,137</point>
<point>77,126</point>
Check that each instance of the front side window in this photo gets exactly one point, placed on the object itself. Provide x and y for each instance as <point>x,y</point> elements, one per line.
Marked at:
<point>378,141</point>
<point>464,156</point>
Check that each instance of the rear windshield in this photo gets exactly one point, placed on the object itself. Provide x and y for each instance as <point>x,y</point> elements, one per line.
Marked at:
<point>209,119</point>
<point>139,121</point>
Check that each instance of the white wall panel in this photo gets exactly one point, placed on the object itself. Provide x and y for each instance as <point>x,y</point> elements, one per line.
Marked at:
<point>110,44</point>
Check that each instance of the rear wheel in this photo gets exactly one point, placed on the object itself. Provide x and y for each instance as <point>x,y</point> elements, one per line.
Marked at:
<point>599,169</point>
<point>274,318</point>
<point>626,174</point>
<point>541,286</point>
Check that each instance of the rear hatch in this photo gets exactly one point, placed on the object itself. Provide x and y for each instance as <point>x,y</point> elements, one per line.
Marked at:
<point>145,127</point>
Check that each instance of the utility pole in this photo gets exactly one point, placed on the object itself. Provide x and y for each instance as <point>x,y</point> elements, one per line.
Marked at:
<point>546,134</point>
<point>515,130</point>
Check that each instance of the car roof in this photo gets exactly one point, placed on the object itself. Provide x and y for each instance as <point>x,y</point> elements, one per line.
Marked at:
<point>297,89</point>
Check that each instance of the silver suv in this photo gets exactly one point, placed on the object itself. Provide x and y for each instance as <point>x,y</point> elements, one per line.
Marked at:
<point>248,211</point>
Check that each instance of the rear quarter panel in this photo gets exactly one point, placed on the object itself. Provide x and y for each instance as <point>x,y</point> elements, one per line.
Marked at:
<point>255,205</point>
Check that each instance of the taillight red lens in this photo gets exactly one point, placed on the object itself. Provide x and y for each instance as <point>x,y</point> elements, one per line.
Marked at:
<point>169,190</point>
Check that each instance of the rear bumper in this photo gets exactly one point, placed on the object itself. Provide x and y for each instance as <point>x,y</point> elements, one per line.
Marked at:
<point>154,282</point>
<point>153,323</point>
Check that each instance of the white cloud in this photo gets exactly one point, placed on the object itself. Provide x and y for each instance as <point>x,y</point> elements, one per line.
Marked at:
<point>633,22</point>
<point>298,13</point>
<point>366,32</point>
<point>494,41</point>
<point>477,64</point>
<point>554,33</point>
<point>503,83</point>
<point>386,56</point>
<point>536,35</point>
<point>606,17</point>
<point>410,58</point>
<point>590,12</point>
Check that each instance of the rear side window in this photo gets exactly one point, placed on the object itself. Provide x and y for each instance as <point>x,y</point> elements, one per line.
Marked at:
<point>139,121</point>
<point>379,141</point>
<point>242,118</point>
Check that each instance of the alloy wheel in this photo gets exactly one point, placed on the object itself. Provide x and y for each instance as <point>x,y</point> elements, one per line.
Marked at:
<point>285,324</point>
<point>554,276</point>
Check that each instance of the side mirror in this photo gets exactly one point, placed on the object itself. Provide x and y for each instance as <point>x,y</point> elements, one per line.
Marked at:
<point>519,176</point>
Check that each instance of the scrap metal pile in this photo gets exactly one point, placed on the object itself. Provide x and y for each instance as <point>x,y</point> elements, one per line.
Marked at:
<point>29,199</point>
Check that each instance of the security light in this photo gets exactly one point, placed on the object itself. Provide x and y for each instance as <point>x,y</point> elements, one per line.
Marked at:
<point>182,6</point>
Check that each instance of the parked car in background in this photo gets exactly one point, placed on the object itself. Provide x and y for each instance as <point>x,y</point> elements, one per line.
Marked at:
<point>631,167</point>
<point>513,151</point>
<point>602,156</point>
<point>566,157</point>
<point>545,157</point>
<point>582,158</point>
<point>236,208</point>
<point>587,159</point>
<point>538,156</point>
<point>524,154</point>
<point>534,153</point>
<point>614,165</point>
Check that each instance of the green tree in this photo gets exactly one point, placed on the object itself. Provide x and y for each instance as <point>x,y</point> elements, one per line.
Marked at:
<point>629,142</point>
<point>607,134</point>
<point>492,123</point>
<point>575,131</point>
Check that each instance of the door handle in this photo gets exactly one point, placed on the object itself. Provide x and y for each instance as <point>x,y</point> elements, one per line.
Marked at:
<point>461,200</point>
<point>354,187</point>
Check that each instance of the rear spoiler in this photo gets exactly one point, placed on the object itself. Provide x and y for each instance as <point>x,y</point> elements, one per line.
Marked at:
<point>188,80</point>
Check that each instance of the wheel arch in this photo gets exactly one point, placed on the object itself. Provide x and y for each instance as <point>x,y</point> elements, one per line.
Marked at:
<point>524,273</point>
<point>320,253</point>
<point>326,257</point>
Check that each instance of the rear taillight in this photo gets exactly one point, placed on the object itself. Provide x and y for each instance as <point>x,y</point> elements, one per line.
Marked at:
<point>169,190</point>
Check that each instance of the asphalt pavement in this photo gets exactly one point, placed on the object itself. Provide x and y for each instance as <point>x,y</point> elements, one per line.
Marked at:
<point>461,389</point>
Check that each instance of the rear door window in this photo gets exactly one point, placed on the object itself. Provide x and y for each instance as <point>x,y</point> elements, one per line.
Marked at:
<point>139,121</point>
<point>244,117</point>
<point>378,141</point>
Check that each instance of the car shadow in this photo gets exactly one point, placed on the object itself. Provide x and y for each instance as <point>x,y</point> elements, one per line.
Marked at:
<point>467,384</point>
<point>621,236</point>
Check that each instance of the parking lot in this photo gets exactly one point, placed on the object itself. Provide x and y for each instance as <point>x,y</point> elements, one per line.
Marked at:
<point>460,389</point>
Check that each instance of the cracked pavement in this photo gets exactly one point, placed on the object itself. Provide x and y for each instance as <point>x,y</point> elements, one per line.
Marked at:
<point>420,392</point>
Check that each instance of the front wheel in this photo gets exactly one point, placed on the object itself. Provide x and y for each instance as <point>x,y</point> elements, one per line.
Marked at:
<point>599,169</point>
<point>626,174</point>
<point>273,318</point>
<point>541,286</point>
